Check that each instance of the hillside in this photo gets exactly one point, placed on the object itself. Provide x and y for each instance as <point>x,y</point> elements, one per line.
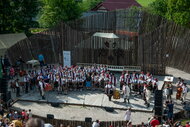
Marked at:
<point>145,3</point>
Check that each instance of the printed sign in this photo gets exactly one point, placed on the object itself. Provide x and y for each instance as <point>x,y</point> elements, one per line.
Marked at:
<point>67,58</point>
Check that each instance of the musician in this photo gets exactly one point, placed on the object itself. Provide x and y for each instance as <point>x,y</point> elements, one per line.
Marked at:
<point>122,80</point>
<point>109,90</point>
<point>17,88</point>
<point>64,86</point>
<point>126,93</point>
<point>134,81</point>
<point>42,88</point>
<point>26,81</point>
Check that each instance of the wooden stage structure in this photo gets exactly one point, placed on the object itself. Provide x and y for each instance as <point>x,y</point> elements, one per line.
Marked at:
<point>145,40</point>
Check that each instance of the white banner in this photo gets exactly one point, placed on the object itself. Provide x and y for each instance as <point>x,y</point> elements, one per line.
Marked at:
<point>67,58</point>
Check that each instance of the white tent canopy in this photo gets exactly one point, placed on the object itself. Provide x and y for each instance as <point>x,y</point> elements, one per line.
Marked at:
<point>105,35</point>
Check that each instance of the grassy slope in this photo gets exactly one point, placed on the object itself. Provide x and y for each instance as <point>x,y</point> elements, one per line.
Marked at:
<point>145,3</point>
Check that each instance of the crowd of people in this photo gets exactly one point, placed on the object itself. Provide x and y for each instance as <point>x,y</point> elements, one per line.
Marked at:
<point>77,78</point>
<point>13,118</point>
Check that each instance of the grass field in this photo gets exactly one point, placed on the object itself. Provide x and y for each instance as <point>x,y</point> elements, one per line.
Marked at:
<point>145,3</point>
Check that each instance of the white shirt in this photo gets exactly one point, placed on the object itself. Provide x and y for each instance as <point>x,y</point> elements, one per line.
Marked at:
<point>95,124</point>
<point>185,89</point>
<point>41,85</point>
<point>127,115</point>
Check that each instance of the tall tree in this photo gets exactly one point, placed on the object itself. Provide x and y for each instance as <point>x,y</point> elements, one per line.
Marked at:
<point>54,11</point>
<point>18,15</point>
<point>179,11</point>
<point>175,10</point>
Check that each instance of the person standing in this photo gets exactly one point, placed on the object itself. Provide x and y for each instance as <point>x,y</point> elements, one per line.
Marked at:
<point>41,87</point>
<point>96,123</point>
<point>154,122</point>
<point>185,91</point>
<point>41,59</point>
<point>122,80</point>
<point>147,95</point>
<point>126,93</point>
<point>26,80</point>
<point>109,90</point>
<point>127,116</point>
<point>17,88</point>
<point>170,107</point>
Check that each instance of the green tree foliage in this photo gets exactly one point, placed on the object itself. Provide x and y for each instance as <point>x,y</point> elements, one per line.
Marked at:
<point>159,7</point>
<point>18,15</point>
<point>179,11</point>
<point>86,5</point>
<point>175,10</point>
<point>54,11</point>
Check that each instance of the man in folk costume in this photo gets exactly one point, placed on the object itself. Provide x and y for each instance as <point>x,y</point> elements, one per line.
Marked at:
<point>17,87</point>
<point>26,81</point>
<point>141,82</point>
<point>60,85</point>
<point>155,84</point>
<point>64,86</point>
<point>113,79</point>
<point>148,76</point>
<point>101,80</point>
<point>109,90</point>
<point>42,88</point>
<point>122,80</point>
<point>147,95</point>
<point>96,81</point>
<point>51,77</point>
<point>134,81</point>
<point>126,93</point>
<point>185,91</point>
<point>56,82</point>
<point>128,79</point>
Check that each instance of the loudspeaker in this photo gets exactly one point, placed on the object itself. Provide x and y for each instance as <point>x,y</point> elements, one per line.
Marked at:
<point>158,103</point>
<point>88,119</point>
<point>50,116</point>
<point>109,109</point>
<point>3,85</point>
<point>158,98</point>
<point>54,104</point>
<point>158,111</point>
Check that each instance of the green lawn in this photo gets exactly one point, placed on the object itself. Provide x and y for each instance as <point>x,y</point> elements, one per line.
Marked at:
<point>145,3</point>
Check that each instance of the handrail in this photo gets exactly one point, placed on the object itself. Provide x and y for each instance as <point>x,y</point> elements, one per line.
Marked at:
<point>114,67</point>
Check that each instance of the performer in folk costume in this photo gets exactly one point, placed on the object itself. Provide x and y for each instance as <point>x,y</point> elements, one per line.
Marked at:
<point>26,81</point>
<point>155,84</point>
<point>88,81</point>
<point>113,79</point>
<point>134,81</point>
<point>56,82</point>
<point>96,81</point>
<point>122,80</point>
<point>60,85</point>
<point>185,91</point>
<point>64,86</point>
<point>42,88</point>
<point>147,95</point>
<point>109,90</point>
<point>179,88</point>
<point>126,93</point>
<point>179,92</point>
<point>141,82</point>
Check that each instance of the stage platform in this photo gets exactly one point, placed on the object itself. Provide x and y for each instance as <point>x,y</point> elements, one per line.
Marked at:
<point>88,98</point>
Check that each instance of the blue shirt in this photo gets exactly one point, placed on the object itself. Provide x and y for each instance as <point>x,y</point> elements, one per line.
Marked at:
<point>40,57</point>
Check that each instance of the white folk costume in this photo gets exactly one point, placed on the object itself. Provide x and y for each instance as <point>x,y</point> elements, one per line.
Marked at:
<point>126,92</point>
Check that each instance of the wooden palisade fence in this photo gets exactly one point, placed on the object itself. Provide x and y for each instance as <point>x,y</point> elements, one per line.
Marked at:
<point>144,40</point>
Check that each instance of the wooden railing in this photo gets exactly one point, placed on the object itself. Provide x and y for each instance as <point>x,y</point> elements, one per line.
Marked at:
<point>114,67</point>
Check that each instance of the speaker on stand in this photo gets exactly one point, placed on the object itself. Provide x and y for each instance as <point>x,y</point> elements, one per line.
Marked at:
<point>158,104</point>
